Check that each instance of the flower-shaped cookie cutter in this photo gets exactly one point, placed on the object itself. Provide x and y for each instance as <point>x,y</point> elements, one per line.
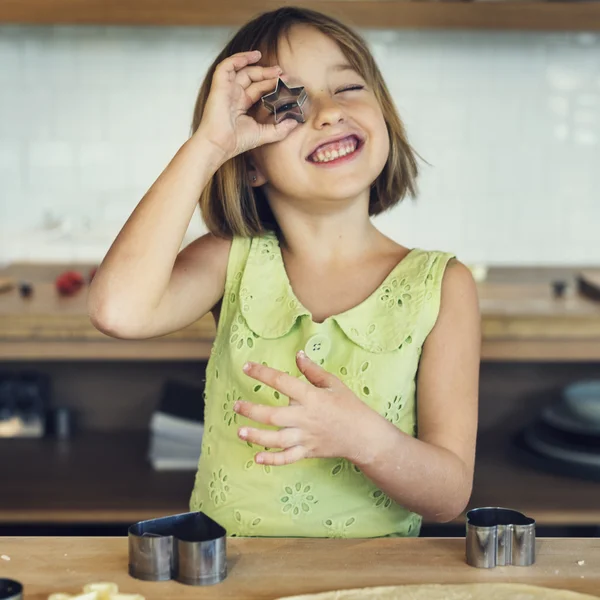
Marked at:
<point>285,102</point>
<point>189,547</point>
<point>498,537</point>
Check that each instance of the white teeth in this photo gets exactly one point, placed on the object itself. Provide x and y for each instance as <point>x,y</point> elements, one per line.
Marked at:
<point>329,155</point>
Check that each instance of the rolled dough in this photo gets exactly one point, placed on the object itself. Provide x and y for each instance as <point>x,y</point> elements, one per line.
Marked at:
<point>466,591</point>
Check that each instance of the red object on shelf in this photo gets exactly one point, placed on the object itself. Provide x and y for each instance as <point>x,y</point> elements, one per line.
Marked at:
<point>69,283</point>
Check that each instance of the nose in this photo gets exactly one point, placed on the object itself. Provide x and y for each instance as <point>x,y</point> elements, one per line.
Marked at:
<point>325,111</point>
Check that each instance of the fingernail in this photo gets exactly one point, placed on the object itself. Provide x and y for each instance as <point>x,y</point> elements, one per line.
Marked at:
<point>243,433</point>
<point>257,52</point>
<point>260,459</point>
<point>247,367</point>
<point>301,354</point>
<point>236,406</point>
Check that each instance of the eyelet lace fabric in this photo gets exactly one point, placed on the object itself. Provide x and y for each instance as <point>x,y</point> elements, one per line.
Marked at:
<point>374,348</point>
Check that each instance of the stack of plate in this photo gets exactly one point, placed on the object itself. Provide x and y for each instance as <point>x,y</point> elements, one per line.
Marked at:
<point>565,439</point>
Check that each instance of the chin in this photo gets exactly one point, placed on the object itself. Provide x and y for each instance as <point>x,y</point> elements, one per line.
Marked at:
<point>345,194</point>
<point>345,188</point>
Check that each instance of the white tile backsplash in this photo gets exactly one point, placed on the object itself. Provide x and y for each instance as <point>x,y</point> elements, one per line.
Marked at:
<point>509,122</point>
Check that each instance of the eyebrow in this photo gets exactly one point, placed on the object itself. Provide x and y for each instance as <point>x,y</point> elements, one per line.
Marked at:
<point>341,67</point>
<point>337,68</point>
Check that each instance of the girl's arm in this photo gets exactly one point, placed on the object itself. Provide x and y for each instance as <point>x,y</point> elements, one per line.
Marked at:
<point>143,288</point>
<point>433,475</point>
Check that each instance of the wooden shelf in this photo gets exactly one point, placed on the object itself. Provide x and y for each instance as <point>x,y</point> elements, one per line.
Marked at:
<point>521,321</point>
<point>500,14</point>
<point>105,478</point>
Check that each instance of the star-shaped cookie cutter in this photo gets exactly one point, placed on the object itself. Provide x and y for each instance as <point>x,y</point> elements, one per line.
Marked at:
<point>285,102</point>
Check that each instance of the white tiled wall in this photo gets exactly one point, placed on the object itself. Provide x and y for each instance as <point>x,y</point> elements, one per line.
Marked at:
<point>510,123</point>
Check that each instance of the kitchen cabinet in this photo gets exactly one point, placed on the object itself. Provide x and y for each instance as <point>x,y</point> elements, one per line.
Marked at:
<point>104,478</point>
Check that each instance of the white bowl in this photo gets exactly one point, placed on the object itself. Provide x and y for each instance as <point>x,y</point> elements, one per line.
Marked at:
<point>583,399</point>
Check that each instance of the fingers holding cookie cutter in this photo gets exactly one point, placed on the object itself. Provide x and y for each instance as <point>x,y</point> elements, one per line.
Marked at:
<point>498,537</point>
<point>285,102</point>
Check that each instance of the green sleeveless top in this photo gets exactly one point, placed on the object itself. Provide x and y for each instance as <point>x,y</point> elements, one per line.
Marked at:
<point>374,348</point>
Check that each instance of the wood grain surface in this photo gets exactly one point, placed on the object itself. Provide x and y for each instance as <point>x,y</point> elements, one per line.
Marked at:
<point>503,15</point>
<point>266,569</point>
<point>521,320</point>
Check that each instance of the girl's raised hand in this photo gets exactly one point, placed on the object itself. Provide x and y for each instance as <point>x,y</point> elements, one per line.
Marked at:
<point>236,86</point>
<point>324,419</point>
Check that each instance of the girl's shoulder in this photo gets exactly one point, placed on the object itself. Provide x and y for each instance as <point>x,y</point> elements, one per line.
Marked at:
<point>255,262</point>
<point>410,297</point>
<point>253,250</point>
<point>404,307</point>
<point>424,267</point>
<point>443,281</point>
<point>439,268</point>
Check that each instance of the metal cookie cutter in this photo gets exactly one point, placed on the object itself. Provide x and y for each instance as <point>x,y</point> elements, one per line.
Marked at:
<point>189,547</point>
<point>499,536</point>
<point>285,102</point>
<point>10,590</point>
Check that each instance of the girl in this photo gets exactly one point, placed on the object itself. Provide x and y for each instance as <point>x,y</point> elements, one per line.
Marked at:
<point>341,392</point>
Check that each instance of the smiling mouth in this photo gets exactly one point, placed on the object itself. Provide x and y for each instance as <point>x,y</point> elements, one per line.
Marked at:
<point>335,150</point>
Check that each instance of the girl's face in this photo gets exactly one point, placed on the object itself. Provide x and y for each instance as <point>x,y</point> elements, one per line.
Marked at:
<point>342,146</point>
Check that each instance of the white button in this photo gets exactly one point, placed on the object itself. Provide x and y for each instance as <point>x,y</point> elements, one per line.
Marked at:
<point>317,348</point>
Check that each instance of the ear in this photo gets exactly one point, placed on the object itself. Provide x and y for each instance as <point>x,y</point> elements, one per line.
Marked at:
<point>256,177</point>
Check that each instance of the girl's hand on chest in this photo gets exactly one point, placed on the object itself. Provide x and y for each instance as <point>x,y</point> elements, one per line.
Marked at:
<point>324,419</point>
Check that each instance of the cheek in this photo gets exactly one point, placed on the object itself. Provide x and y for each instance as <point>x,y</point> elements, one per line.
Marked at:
<point>277,158</point>
<point>385,142</point>
<point>369,115</point>
<point>382,138</point>
<point>270,162</point>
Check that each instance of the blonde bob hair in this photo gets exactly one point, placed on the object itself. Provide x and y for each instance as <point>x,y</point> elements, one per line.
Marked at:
<point>230,206</point>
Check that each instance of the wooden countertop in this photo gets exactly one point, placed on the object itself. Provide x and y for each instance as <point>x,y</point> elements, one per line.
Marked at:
<point>267,569</point>
<point>105,478</point>
<point>521,320</point>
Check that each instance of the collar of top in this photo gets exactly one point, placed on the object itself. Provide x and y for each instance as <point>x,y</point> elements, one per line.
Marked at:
<point>381,323</point>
